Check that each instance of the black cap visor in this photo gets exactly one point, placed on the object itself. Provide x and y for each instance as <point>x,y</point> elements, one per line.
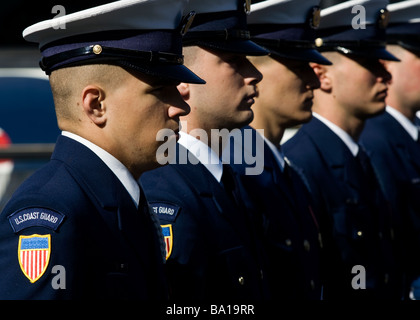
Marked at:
<point>239,46</point>
<point>177,73</point>
<point>413,46</point>
<point>308,55</point>
<point>371,52</point>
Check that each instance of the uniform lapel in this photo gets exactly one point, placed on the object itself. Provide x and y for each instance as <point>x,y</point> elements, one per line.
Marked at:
<point>202,181</point>
<point>409,149</point>
<point>332,150</point>
<point>281,179</point>
<point>272,168</point>
<point>402,142</point>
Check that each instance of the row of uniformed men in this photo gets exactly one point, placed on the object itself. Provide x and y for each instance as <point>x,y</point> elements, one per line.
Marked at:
<point>291,232</point>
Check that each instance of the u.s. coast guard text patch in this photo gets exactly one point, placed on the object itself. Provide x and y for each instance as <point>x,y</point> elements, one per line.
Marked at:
<point>165,211</point>
<point>31,217</point>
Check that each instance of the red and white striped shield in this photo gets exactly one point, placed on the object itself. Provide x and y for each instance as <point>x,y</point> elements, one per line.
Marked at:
<point>169,240</point>
<point>34,255</point>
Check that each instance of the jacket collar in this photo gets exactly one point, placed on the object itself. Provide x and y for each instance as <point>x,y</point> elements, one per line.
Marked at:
<point>344,136</point>
<point>408,126</point>
<point>334,150</point>
<point>114,164</point>
<point>203,153</point>
<point>89,170</point>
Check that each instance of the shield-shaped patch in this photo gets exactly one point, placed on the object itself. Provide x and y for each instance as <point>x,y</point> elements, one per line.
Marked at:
<point>167,233</point>
<point>34,255</point>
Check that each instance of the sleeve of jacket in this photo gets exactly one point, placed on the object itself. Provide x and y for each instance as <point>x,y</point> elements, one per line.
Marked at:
<point>33,263</point>
<point>178,210</point>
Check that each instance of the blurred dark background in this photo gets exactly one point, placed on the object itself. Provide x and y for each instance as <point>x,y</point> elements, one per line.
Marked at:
<point>16,15</point>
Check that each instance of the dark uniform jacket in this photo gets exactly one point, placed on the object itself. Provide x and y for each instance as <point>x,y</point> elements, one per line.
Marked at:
<point>354,216</point>
<point>288,223</point>
<point>72,231</point>
<point>213,252</point>
<point>396,158</point>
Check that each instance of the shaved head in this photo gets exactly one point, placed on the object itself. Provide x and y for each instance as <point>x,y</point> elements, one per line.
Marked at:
<point>68,83</point>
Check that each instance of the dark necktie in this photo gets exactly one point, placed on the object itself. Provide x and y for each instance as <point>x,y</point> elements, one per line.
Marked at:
<point>229,184</point>
<point>252,220</point>
<point>287,175</point>
<point>369,180</point>
<point>363,160</point>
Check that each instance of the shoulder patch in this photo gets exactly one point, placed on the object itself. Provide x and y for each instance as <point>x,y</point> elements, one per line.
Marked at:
<point>35,217</point>
<point>34,255</point>
<point>168,237</point>
<point>165,211</point>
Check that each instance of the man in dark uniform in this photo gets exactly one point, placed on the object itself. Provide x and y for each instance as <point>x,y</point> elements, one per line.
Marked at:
<point>291,236</point>
<point>392,138</point>
<point>355,225</point>
<point>80,227</point>
<point>212,251</point>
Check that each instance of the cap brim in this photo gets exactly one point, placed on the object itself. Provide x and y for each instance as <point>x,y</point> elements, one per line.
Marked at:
<point>413,46</point>
<point>246,47</point>
<point>178,73</point>
<point>308,55</point>
<point>376,53</point>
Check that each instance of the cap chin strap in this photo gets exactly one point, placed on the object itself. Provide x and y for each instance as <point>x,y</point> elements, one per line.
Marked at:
<point>226,34</point>
<point>106,53</point>
<point>409,42</point>
<point>348,45</point>
<point>281,43</point>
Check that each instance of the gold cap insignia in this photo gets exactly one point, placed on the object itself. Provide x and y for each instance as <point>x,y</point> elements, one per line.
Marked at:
<point>97,49</point>
<point>315,17</point>
<point>187,22</point>
<point>319,42</point>
<point>247,6</point>
<point>383,18</point>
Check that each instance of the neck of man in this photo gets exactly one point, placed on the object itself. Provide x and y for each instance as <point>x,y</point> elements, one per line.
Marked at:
<point>273,131</point>
<point>341,117</point>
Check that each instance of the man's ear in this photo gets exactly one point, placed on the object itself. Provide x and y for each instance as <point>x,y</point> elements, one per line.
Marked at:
<point>323,75</point>
<point>184,90</point>
<point>93,104</point>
